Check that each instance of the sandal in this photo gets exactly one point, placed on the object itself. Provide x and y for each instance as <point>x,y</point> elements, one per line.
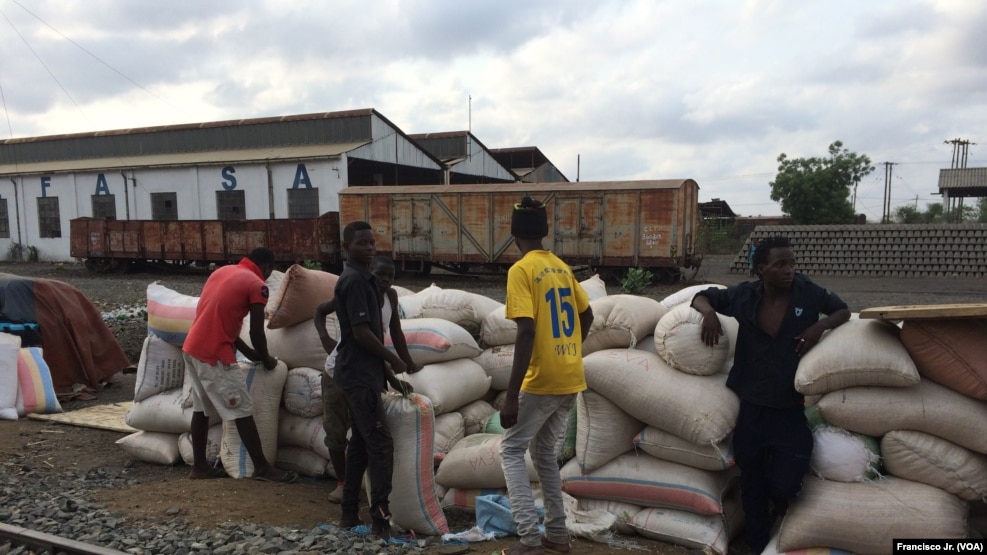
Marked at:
<point>285,477</point>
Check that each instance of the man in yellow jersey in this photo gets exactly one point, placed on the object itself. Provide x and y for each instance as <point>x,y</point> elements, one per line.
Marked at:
<point>553,316</point>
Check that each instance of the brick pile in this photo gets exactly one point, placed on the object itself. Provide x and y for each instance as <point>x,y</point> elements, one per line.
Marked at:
<point>898,250</point>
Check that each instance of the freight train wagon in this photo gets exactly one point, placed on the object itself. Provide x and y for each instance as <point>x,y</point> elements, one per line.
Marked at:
<point>114,245</point>
<point>608,226</point>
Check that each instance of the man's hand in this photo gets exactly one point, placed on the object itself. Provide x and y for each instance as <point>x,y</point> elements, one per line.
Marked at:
<point>270,362</point>
<point>508,413</point>
<point>413,368</point>
<point>711,330</point>
<point>402,387</point>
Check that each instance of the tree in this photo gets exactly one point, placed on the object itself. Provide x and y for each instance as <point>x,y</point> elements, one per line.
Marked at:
<point>817,190</point>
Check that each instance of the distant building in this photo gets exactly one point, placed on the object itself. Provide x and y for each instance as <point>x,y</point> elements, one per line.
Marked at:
<point>716,214</point>
<point>467,160</point>
<point>529,164</point>
<point>960,183</point>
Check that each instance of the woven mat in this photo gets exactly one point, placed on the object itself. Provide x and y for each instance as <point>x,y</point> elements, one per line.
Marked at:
<point>102,417</point>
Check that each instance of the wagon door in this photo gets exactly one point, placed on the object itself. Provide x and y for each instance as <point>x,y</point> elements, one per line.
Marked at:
<point>411,225</point>
<point>579,228</point>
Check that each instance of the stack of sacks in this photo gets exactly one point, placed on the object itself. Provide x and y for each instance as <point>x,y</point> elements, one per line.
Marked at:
<point>162,409</point>
<point>674,486</point>
<point>930,440</point>
<point>25,380</point>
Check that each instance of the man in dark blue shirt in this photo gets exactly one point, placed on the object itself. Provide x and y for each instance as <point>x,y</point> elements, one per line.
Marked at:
<point>779,317</point>
<point>362,374</point>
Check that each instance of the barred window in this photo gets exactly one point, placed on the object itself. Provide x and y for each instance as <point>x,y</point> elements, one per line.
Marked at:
<point>4,220</point>
<point>105,206</point>
<point>231,205</point>
<point>164,206</point>
<point>49,217</point>
<point>303,203</point>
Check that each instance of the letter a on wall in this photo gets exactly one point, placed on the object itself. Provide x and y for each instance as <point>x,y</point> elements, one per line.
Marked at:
<point>301,178</point>
<point>102,188</point>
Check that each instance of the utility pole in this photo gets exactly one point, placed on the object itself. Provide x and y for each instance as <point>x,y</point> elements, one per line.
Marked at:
<point>961,148</point>
<point>886,217</point>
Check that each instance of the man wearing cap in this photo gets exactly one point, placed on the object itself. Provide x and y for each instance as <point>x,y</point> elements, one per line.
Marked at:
<point>553,316</point>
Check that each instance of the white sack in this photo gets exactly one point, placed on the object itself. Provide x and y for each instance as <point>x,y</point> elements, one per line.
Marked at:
<point>663,445</point>
<point>451,384</point>
<point>603,430</point>
<point>301,460</point>
<point>497,362</point>
<point>843,456</point>
<point>213,440</point>
<point>163,412</point>
<point>460,307</point>
<point>594,287</point>
<point>621,321</point>
<point>449,429</point>
<point>678,341</point>
<point>686,294</point>
<point>161,367</point>
<point>151,447</point>
<point>621,511</point>
<point>497,329</point>
<point>432,340</point>
<point>475,416</point>
<point>303,391</point>
<point>706,533</point>
<point>475,462</point>
<point>265,388</point>
<point>931,460</point>
<point>411,305</point>
<point>306,432</point>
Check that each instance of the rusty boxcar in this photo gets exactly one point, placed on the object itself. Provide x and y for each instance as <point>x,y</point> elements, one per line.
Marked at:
<point>108,245</point>
<point>609,226</point>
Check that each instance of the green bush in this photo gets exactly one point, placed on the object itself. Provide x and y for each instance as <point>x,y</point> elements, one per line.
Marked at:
<point>312,264</point>
<point>636,280</point>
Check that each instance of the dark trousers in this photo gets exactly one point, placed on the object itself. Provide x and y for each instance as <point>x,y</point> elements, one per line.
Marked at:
<point>772,448</point>
<point>370,446</point>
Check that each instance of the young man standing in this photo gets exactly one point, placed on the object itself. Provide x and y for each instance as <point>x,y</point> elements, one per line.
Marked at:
<point>553,316</point>
<point>362,373</point>
<point>779,317</point>
<point>218,389</point>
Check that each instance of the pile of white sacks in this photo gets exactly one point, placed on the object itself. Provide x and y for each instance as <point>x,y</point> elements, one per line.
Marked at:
<point>649,443</point>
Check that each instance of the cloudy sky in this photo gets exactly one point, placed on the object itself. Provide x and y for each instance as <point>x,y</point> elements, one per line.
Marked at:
<point>712,90</point>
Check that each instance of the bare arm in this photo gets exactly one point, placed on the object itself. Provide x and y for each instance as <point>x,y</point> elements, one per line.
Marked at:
<point>321,311</point>
<point>711,330</point>
<point>258,338</point>
<point>397,334</point>
<point>811,336</point>
<point>523,347</point>
<point>585,321</point>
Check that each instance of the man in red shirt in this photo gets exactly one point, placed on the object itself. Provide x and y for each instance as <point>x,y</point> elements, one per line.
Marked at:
<point>218,388</point>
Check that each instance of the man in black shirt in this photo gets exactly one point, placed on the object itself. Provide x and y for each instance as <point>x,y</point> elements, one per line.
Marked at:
<point>779,317</point>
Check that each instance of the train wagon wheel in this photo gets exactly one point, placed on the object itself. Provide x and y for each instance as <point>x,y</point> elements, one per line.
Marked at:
<point>667,276</point>
<point>102,265</point>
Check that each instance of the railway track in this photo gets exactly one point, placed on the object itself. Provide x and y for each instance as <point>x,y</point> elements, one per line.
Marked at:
<point>51,544</point>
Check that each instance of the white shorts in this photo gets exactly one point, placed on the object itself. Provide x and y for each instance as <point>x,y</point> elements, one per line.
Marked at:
<point>218,390</point>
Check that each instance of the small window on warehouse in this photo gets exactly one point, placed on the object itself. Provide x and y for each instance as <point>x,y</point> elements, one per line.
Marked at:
<point>164,206</point>
<point>49,217</point>
<point>4,220</point>
<point>231,205</point>
<point>105,207</point>
<point>303,203</point>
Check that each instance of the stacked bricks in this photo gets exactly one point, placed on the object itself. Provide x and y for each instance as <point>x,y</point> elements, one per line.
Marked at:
<point>928,250</point>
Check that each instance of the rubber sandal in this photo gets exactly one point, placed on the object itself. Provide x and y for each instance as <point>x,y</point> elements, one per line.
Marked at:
<point>286,477</point>
<point>212,474</point>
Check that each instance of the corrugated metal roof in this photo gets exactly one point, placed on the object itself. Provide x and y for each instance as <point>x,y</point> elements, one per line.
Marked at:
<point>963,178</point>
<point>307,152</point>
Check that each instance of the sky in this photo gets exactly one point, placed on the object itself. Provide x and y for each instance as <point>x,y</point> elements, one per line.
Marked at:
<point>712,90</point>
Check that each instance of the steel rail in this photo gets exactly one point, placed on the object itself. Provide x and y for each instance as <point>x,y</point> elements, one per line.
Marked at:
<point>52,543</point>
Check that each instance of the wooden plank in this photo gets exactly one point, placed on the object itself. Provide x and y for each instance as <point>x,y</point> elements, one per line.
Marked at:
<point>913,312</point>
<point>102,417</point>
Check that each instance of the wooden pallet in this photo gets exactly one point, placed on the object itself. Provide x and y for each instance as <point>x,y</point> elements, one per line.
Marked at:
<point>926,312</point>
<point>102,417</point>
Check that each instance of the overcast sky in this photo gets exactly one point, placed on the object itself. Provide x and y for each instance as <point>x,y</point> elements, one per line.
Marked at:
<point>712,90</point>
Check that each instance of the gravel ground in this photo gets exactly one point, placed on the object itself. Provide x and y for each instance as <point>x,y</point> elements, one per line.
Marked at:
<point>74,481</point>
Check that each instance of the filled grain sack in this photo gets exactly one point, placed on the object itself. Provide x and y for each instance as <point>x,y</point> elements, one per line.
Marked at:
<point>414,505</point>
<point>213,440</point>
<point>35,388</point>
<point>303,391</point>
<point>641,479</point>
<point>679,342</point>
<point>411,305</point>
<point>164,412</point>
<point>927,407</point>
<point>594,286</point>
<point>449,429</point>
<point>865,517</point>
<point>297,345</point>
<point>603,430</point>
<point>161,367</point>
<point>152,447</point>
<point>266,388</point>
<point>169,313</point>
<point>301,460</point>
<point>686,294</point>
<point>306,432</point>
<point>663,445</point>
<point>10,346</point>
<point>274,282</point>
<point>465,498</point>
<point>475,416</point>
<point>648,345</point>
<point>621,511</point>
<point>844,456</point>
<point>432,340</point>
<point>951,352</point>
<point>931,460</point>
<point>497,362</point>
<point>497,329</point>
<point>698,409</point>
<point>620,321</point>
<point>402,291</point>
<point>705,533</point>
<point>475,463</point>
<point>460,307</point>
<point>858,353</point>
<point>450,384</point>
<point>300,292</point>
